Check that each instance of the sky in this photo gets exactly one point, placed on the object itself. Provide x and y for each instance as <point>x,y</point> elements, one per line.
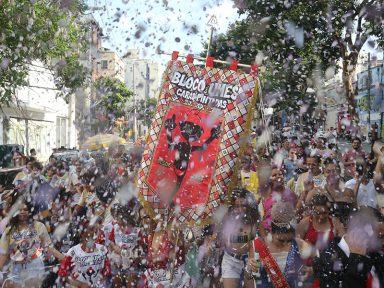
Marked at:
<point>168,25</point>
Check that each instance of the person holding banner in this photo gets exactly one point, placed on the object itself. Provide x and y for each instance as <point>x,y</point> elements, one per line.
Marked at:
<point>239,228</point>
<point>278,262</point>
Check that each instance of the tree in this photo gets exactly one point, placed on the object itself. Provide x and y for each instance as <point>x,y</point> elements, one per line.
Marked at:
<point>45,30</point>
<point>146,110</point>
<point>287,68</point>
<point>299,37</point>
<point>113,97</point>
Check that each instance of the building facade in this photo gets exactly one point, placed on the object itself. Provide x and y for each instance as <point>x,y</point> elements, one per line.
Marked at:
<point>84,97</point>
<point>370,97</point>
<point>40,119</point>
<point>109,64</point>
<point>142,77</point>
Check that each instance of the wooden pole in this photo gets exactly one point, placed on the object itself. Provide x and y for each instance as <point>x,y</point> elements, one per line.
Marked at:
<point>203,59</point>
<point>212,23</point>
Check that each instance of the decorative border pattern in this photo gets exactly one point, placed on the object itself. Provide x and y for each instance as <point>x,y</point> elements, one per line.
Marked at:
<point>237,121</point>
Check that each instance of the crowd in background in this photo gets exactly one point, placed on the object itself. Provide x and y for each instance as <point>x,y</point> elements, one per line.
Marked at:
<point>304,214</point>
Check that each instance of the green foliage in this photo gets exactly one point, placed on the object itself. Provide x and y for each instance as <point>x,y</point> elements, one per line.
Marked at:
<point>113,95</point>
<point>70,75</point>
<point>44,30</point>
<point>297,38</point>
<point>146,110</point>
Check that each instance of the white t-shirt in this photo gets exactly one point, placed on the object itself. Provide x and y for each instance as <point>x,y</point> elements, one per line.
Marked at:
<point>367,195</point>
<point>27,244</point>
<point>87,267</point>
<point>128,242</point>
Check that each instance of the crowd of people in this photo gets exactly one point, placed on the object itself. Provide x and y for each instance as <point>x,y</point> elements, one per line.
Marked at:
<point>303,213</point>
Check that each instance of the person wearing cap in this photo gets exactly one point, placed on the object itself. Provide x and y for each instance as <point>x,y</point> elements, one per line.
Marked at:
<point>279,260</point>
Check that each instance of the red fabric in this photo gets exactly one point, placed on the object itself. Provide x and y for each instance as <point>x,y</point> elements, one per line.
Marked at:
<point>352,154</point>
<point>209,62</point>
<point>269,264</point>
<point>65,267</point>
<point>192,190</point>
<point>111,236</point>
<point>233,65</point>
<point>190,58</point>
<point>312,236</point>
<point>120,170</point>
<point>163,254</point>
<point>254,70</point>
<point>369,281</point>
<point>142,239</point>
<point>100,239</point>
<point>143,282</point>
<point>107,268</point>
<point>316,283</point>
<point>175,55</point>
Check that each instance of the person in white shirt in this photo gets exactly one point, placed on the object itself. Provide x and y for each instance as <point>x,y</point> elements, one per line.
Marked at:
<point>363,188</point>
<point>86,264</point>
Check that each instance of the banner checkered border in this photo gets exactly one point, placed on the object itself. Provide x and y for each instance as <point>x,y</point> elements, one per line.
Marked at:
<point>234,127</point>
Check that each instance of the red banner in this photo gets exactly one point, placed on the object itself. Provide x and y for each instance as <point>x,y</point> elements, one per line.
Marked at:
<point>183,167</point>
<point>194,140</point>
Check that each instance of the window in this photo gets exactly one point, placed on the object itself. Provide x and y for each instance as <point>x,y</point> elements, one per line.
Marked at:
<point>104,64</point>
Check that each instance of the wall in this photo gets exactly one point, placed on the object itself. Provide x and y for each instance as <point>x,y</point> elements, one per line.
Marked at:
<point>142,77</point>
<point>33,123</point>
<point>374,103</point>
<point>110,65</point>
